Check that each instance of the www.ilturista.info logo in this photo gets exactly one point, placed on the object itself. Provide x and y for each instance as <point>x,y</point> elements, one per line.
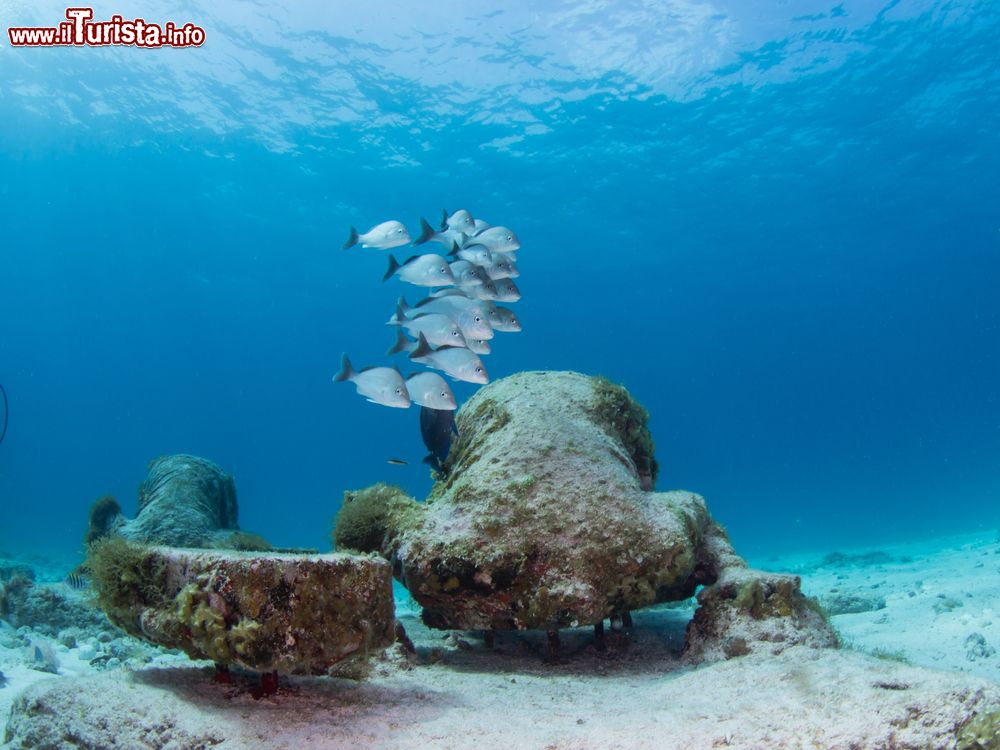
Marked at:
<point>80,30</point>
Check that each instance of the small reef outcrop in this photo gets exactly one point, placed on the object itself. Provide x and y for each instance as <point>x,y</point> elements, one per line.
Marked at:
<point>266,612</point>
<point>545,518</point>
<point>46,609</point>
<point>185,501</point>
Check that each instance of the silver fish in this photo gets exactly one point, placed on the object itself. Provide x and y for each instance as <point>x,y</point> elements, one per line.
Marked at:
<point>448,293</point>
<point>430,389</point>
<point>422,270</point>
<point>386,235</point>
<point>478,346</point>
<point>502,319</point>
<point>474,325</point>
<point>467,273</point>
<point>479,255</point>
<point>460,221</point>
<point>447,237</point>
<point>501,268</point>
<point>455,299</point>
<point>486,291</point>
<point>380,385</point>
<point>497,239</point>
<point>507,291</point>
<point>437,328</point>
<point>459,363</point>
<point>471,318</point>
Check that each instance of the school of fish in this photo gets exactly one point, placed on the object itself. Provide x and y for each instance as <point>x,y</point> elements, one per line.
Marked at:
<point>451,328</point>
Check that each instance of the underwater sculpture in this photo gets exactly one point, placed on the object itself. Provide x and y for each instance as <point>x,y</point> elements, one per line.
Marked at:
<point>273,613</point>
<point>541,520</point>
<point>185,501</point>
<point>182,575</point>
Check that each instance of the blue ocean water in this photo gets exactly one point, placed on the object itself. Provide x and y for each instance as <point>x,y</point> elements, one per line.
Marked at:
<point>776,223</point>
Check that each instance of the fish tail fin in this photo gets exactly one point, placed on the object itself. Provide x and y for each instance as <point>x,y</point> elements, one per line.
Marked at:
<point>393,267</point>
<point>346,371</point>
<point>400,345</point>
<point>398,318</point>
<point>422,349</point>
<point>454,248</point>
<point>426,232</point>
<point>352,239</point>
<point>444,219</point>
<point>401,304</point>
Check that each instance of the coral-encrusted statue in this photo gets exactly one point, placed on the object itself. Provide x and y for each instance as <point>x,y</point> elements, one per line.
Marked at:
<point>544,518</point>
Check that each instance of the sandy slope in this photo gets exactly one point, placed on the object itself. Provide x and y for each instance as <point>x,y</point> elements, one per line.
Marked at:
<point>938,594</point>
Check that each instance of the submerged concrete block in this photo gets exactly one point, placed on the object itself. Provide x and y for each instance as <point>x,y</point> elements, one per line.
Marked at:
<point>292,614</point>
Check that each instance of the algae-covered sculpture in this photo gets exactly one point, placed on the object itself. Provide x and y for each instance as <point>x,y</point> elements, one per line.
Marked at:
<point>267,612</point>
<point>185,501</point>
<point>544,518</point>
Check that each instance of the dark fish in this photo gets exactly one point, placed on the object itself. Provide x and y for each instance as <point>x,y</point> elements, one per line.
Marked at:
<point>77,581</point>
<point>396,462</point>
<point>436,428</point>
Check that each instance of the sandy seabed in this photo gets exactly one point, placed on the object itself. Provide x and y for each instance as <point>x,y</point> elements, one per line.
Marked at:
<point>919,670</point>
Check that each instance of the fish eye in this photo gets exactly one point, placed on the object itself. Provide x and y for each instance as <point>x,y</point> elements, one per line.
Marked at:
<point>479,369</point>
<point>399,231</point>
<point>443,394</point>
<point>509,238</point>
<point>398,392</point>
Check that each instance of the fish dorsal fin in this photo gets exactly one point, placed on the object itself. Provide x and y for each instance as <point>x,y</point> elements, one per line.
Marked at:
<point>422,349</point>
<point>426,232</point>
<point>401,343</point>
<point>346,371</point>
<point>393,267</point>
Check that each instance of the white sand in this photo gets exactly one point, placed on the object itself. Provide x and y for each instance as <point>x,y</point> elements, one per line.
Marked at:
<point>638,695</point>
<point>937,593</point>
